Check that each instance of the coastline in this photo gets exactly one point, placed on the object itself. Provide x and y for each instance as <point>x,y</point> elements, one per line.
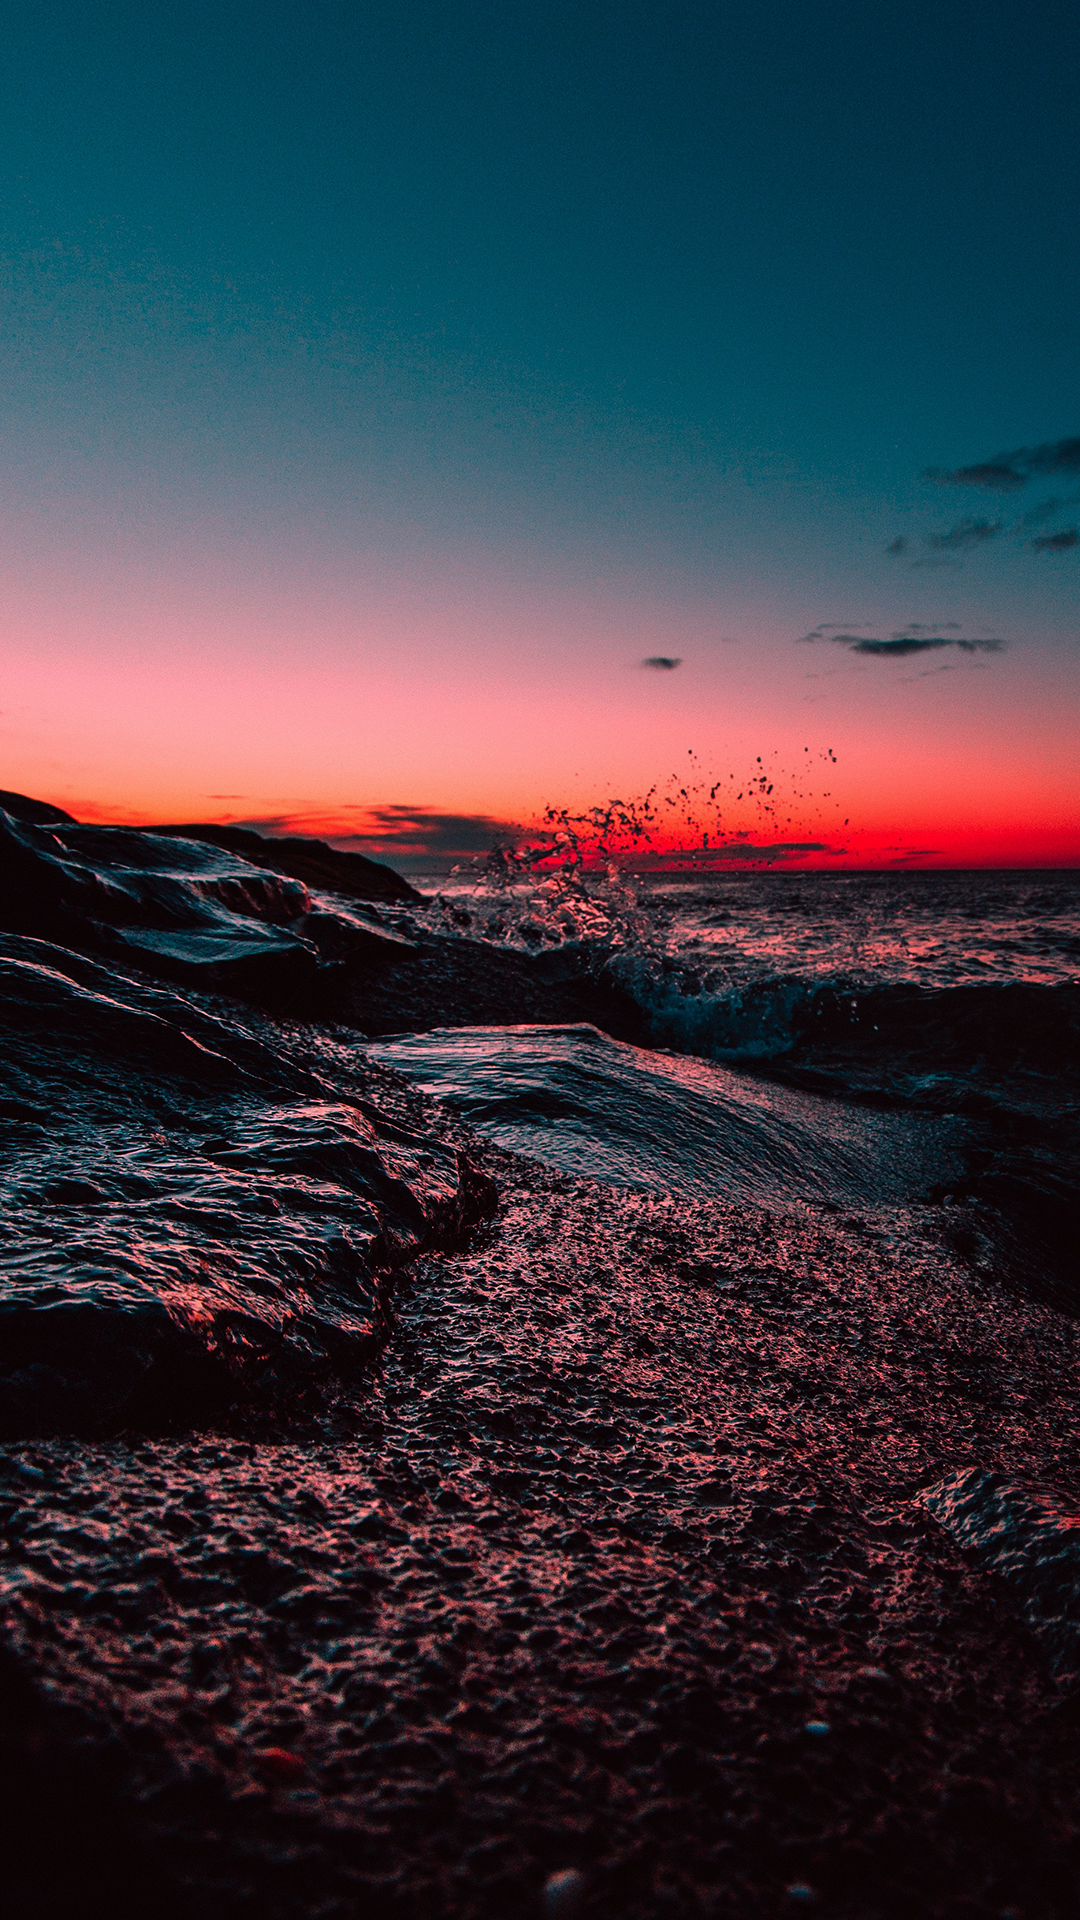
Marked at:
<point>607,1553</point>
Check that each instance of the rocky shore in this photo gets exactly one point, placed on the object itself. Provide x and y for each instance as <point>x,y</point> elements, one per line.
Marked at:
<point>394,1526</point>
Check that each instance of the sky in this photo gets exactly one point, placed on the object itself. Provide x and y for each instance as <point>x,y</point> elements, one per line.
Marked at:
<point>414,416</point>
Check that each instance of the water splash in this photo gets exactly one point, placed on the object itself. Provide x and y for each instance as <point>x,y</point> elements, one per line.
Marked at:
<point>576,877</point>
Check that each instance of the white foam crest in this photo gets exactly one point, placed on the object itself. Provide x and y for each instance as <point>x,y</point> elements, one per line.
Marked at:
<point>510,906</point>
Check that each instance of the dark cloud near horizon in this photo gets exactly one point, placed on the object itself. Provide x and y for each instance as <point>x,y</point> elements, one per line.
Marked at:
<point>662,662</point>
<point>1005,472</point>
<point>729,850</point>
<point>777,850</point>
<point>900,646</point>
<point>1057,542</point>
<point>422,830</point>
<point>418,831</point>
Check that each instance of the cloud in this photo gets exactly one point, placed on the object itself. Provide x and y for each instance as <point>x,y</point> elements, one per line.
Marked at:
<point>410,834</point>
<point>662,662</point>
<point>1060,456</point>
<point>904,644</point>
<point>898,648</point>
<point>729,850</point>
<point>772,850</point>
<point>968,535</point>
<point>1005,472</point>
<point>421,830</point>
<point>1057,542</point>
<point>1047,509</point>
<point>914,639</point>
<point>965,534</point>
<point>998,474</point>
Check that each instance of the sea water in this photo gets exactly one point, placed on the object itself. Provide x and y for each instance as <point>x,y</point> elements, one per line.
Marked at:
<point>951,998</point>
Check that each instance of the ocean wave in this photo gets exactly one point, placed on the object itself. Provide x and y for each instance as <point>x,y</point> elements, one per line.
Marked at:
<point>1008,1027</point>
<point>581,1101</point>
<point>945,985</point>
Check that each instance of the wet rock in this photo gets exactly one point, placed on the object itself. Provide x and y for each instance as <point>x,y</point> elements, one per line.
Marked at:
<point>200,1224</point>
<point>582,1101</point>
<point>80,1357</point>
<point>342,936</point>
<point>186,909</point>
<point>311,861</point>
<point>38,812</point>
<point>173,907</point>
<point>259,961</point>
<point>1026,1536</point>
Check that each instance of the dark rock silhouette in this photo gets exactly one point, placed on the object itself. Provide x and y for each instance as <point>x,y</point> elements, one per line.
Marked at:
<point>312,861</point>
<point>38,812</point>
<point>183,908</point>
<point>172,906</point>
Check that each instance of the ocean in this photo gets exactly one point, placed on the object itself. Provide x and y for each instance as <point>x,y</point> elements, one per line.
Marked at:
<point>816,1035</point>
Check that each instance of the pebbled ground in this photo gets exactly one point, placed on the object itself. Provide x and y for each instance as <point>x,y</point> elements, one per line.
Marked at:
<point>622,1567</point>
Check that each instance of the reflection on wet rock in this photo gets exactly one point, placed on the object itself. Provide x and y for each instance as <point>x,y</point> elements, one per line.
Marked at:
<point>191,1219</point>
<point>1024,1535</point>
<point>186,909</point>
<point>312,861</point>
<point>577,1099</point>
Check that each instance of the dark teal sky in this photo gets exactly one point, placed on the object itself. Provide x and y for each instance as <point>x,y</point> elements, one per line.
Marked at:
<point>687,295</point>
<point>546,248</point>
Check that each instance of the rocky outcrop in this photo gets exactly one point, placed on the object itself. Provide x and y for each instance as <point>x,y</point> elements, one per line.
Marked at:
<point>193,1220</point>
<point>38,812</point>
<point>182,908</point>
<point>1028,1537</point>
<point>313,861</point>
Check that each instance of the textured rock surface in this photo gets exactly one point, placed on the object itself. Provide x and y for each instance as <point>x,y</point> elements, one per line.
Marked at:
<point>366,1554</point>
<point>193,1215</point>
<point>312,861</point>
<point>171,906</point>
<point>183,908</point>
<point>624,1570</point>
<point>580,1101</point>
<point>1029,1538</point>
<point>452,982</point>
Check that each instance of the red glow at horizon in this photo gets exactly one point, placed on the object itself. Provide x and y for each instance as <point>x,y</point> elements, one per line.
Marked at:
<point>321,711</point>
